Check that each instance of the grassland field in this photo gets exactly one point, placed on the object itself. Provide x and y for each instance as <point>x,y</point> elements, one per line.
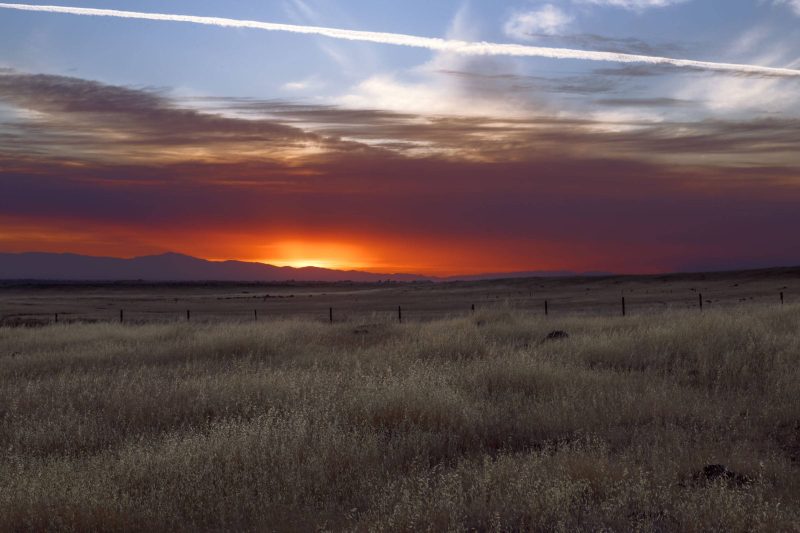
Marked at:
<point>452,421</point>
<point>37,303</point>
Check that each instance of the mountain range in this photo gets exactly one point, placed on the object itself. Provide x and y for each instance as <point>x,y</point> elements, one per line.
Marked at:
<point>184,268</point>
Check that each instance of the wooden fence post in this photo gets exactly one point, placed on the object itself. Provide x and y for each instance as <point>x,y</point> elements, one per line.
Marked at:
<point>623,306</point>
<point>330,314</point>
<point>781,297</point>
<point>400,314</point>
<point>188,315</point>
<point>473,308</point>
<point>121,316</point>
<point>700,299</point>
<point>56,318</point>
<point>255,315</point>
<point>546,309</point>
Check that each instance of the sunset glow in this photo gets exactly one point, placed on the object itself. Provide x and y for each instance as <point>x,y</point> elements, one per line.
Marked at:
<point>401,154</point>
<point>299,254</point>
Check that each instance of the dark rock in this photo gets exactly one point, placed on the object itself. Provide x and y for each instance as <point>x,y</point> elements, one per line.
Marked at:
<point>714,473</point>
<point>556,336</point>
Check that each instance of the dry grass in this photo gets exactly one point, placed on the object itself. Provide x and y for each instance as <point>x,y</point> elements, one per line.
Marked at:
<point>460,424</point>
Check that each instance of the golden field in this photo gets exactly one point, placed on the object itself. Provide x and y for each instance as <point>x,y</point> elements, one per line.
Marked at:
<point>464,423</point>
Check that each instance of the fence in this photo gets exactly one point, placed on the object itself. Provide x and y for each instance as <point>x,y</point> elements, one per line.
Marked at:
<point>344,313</point>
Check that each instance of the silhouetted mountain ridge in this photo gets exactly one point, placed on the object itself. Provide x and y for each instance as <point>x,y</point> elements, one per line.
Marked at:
<point>178,267</point>
<point>168,267</point>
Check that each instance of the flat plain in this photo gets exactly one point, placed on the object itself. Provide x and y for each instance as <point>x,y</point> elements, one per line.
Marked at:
<point>667,419</point>
<point>37,303</point>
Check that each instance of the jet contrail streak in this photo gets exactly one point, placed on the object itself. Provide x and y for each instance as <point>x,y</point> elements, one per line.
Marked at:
<point>444,45</point>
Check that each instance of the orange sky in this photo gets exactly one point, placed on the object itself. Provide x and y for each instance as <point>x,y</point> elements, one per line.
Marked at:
<point>374,253</point>
<point>106,170</point>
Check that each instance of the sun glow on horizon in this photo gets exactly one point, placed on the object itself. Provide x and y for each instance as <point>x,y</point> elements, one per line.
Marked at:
<point>306,263</point>
<point>302,254</point>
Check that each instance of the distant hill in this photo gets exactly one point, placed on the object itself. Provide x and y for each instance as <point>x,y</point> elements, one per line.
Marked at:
<point>182,268</point>
<point>168,267</point>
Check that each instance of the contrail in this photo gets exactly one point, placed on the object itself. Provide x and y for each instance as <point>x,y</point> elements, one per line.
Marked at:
<point>444,45</point>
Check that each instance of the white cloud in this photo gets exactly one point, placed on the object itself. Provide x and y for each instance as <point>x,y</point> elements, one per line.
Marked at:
<point>429,95</point>
<point>794,4</point>
<point>302,85</point>
<point>298,10</point>
<point>295,86</point>
<point>350,60</point>
<point>621,120</point>
<point>744,96</point>
<point>426,91</point>
<point>548,19</point>
<point>635,4</point>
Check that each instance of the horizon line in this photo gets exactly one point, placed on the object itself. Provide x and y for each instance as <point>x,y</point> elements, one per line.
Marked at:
<point>487,275</point>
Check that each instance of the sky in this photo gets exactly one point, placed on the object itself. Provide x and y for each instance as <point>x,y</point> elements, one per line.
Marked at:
<point>124,137</point>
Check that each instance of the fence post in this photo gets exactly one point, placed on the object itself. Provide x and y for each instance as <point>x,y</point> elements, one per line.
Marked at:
<point>623,306</point>
<point>781,297</point>
<point>546,310</point>
<point>255,315</point>
<point>473,308</point>
<point>400,314</point>
<point>700,298</point>
<point>56,318</point>
<point>188,315</point>
<point>121,316</point>
<point>330,314</point>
